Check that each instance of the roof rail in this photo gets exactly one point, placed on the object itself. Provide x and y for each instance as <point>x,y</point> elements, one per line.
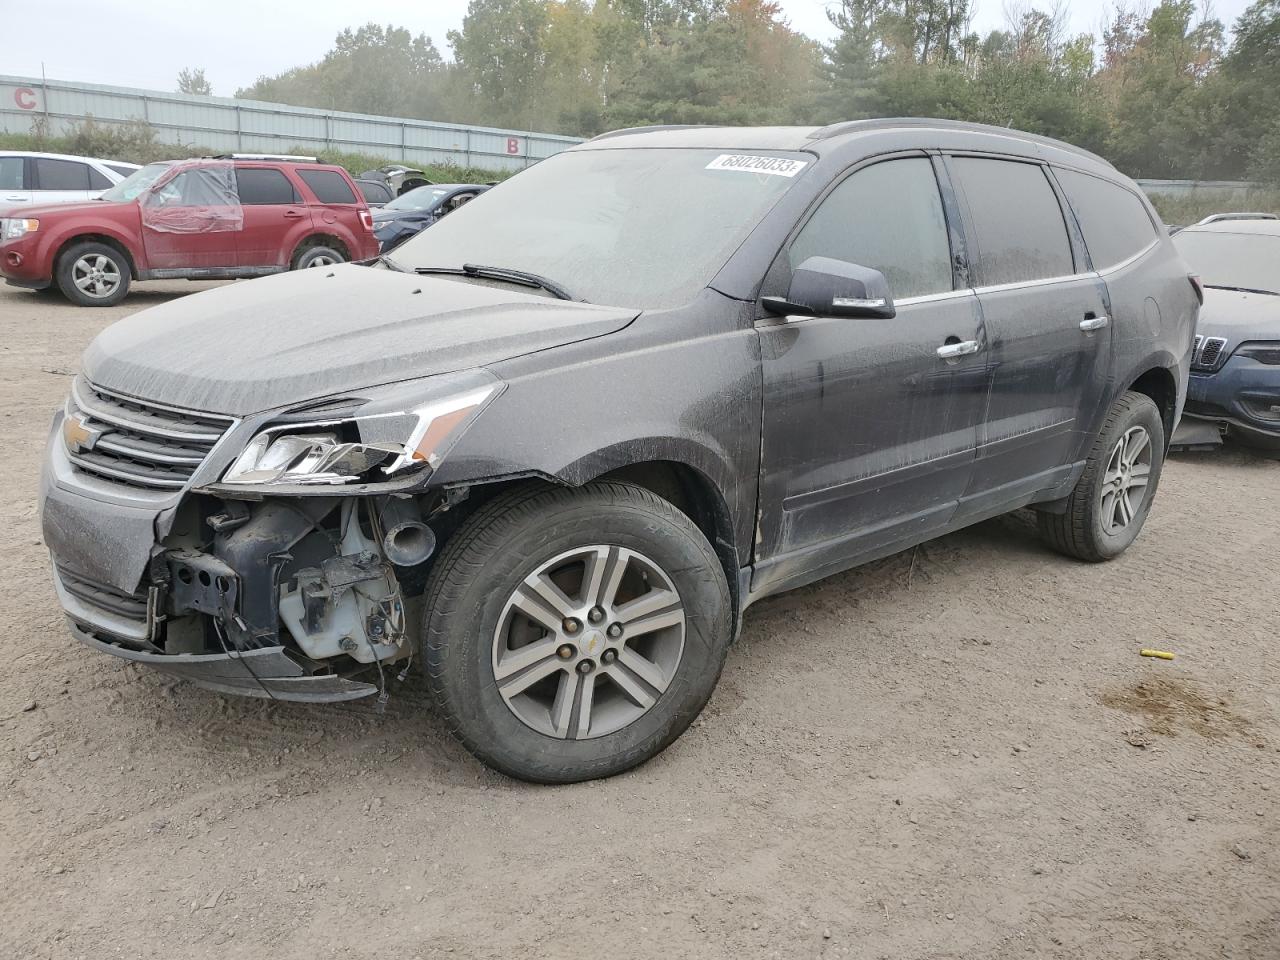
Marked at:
<point>285,157</point>
<point>1219,217</point>
<point>889,123</point>
<point>627,131</point>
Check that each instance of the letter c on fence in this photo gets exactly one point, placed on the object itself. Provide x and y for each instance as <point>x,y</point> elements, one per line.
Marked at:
<point>513,145</point>
<point>25,98</point>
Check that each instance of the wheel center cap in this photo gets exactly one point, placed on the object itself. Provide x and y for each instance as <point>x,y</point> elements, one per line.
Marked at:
<point>592,643</point>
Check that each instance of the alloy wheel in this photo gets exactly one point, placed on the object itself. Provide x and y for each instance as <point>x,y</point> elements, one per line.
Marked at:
<point>96,276</point>
<point>1124,483</point>
<point>588,642</point>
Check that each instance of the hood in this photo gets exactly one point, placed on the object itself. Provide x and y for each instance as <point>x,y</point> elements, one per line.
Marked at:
<point>38,210</point>
<point>257,345</point>
<point>1239,316</point>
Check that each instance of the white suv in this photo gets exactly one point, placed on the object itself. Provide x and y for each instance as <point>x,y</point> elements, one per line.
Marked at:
<point>55,178</point>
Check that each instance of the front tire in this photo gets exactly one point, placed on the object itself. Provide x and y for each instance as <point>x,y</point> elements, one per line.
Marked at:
<point>93,274</point>
<point>1110,502</point>
<point>573,634</point>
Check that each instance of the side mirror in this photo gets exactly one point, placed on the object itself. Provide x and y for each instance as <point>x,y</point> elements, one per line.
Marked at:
<point>823,287</point>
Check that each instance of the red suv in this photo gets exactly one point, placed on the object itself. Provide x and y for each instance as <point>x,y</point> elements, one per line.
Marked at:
<point>213,218</point>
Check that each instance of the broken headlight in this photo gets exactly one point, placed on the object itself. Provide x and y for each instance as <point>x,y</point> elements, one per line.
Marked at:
<point>307,458</point>
<point>383,437</point>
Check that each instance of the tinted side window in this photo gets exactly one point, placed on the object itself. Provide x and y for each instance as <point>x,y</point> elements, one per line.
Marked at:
<point>1114,221</point>
<point>97,179</point>
<point>1020,233</point>
<point>61,175</point>
<point>888,217</point>
<point>328,186</point>
<point>11,173</point>
<point>123,171</point>
<point>258,185</point>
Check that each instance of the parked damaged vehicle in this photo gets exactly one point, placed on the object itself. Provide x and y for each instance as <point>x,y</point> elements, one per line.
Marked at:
<point>213,218</point>
<point>411,213</point>
<point>1235,367</point>
<point>554,447</point>
<point>397,178</point>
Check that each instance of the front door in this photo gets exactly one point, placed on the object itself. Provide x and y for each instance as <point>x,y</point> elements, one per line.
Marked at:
<point>869,432</point>
<point>1047,317</point>
<point>190,223</point>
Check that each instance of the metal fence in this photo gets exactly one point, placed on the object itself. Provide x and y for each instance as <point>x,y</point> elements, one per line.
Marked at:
<point>250,126</point>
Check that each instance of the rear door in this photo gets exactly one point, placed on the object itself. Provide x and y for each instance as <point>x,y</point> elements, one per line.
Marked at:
<point>1047,316</point>
<point>62,181</point>
<point>869,432</point>
<point>275,217</point>
<point>337,208</point>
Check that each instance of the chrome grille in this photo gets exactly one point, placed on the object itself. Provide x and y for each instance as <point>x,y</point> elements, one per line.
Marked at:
<point>140,443</point>
<point>1207,351</point>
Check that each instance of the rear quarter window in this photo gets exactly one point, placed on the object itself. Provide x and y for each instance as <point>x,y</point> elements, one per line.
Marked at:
<point>1114,221</point>
<point>328,186</point>
<point>98,180</point>
<point>1021,235</point>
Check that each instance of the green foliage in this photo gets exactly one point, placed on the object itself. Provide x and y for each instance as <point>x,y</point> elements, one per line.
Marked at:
<point>132,142</point>
<point>194,82</point>
<point>1184,210</point>
<point>135,142</point>
<point>1164,95</point>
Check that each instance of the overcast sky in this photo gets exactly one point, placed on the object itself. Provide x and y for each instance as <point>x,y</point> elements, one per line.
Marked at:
<point>144,43</point>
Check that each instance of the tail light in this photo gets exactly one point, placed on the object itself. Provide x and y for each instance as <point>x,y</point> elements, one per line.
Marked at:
<point>367,219</point>
<point>1197,286</point>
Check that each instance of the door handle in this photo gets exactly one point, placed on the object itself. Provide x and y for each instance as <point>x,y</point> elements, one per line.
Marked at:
<point>292,215</point>
<point>19,199</point>
<point>949,351</point>
<point>1089,324</point>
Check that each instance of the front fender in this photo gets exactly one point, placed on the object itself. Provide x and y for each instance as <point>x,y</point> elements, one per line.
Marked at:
<point>640,395</point>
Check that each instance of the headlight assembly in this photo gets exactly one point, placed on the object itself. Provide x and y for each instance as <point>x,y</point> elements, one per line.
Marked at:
<point>15,227</point>
<point>379,442</point>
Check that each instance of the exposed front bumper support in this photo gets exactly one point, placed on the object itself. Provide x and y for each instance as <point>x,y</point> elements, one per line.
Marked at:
<point>266,672</point>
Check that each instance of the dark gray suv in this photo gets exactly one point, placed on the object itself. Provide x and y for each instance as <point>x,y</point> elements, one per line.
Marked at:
<point>556,446</point>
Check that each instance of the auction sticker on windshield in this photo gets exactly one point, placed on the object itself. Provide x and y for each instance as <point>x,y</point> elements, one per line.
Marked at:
<point>774,166</point>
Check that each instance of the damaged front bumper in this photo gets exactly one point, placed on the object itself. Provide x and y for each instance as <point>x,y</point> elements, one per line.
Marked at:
<point>289,600</point>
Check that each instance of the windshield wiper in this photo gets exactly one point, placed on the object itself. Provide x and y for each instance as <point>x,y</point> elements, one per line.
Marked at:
<point>1219,286</point>
<point>398,268</point>
<point>522,277</point>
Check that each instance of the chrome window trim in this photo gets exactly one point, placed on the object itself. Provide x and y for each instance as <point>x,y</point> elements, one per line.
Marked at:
<point>934,297</point>
<point>1129,261</point>
<point>1043,282</point>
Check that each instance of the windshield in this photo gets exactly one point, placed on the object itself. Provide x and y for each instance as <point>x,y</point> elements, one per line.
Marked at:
<point>643,228</point>
<point>1247,260</point>
<point>419,198</point>
<point>133,185</point>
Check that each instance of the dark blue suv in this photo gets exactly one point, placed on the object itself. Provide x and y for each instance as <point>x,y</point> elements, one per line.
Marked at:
<point>1235,368</point>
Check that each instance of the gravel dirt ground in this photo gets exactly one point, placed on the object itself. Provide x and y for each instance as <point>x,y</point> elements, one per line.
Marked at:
<point>956,752</point>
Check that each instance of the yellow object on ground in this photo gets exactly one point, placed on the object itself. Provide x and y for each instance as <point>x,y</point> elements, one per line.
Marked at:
<point>1158,654</point>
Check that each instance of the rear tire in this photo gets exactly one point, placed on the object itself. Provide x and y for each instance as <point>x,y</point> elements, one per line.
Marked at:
<point>1110,502</point>
<point>317,256</point>
<point>93,274</point>
<point>546,690</point>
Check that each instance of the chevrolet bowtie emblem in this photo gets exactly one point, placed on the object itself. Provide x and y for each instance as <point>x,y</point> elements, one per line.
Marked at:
<point>78,435</point>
